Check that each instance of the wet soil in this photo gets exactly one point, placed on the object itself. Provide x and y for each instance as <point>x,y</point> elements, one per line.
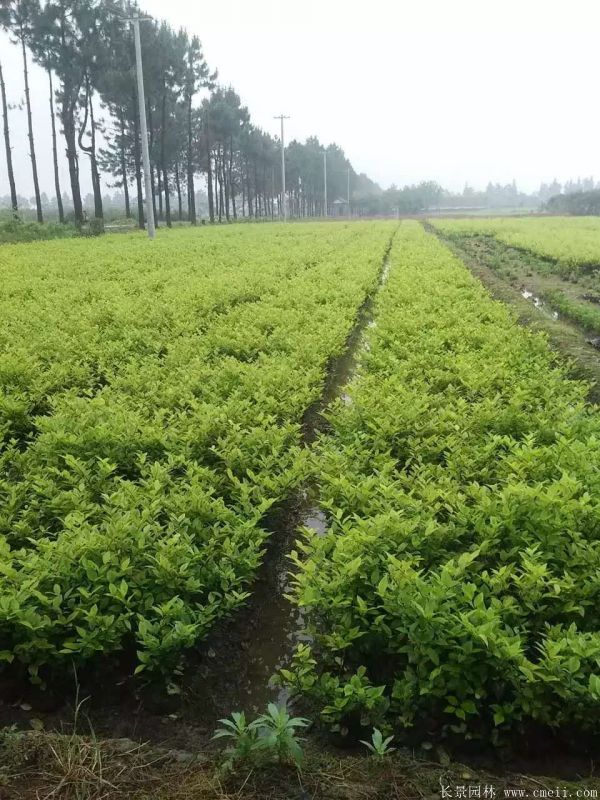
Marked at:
<point>519,280</point>
<point>526,294</point>
<point>522,266</point>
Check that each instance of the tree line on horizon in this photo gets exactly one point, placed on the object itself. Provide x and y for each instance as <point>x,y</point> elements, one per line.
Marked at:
<point>196,126</point>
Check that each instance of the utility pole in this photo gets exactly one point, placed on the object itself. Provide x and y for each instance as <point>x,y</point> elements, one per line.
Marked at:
<point>349,214</point>
<point>143,125</point>
<point>283,197</point>
<point>325,183</point>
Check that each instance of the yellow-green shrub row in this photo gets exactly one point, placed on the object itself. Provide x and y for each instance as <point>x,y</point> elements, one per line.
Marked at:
<point>459,580</point>
<point>151,401</point>
<point>573,242</point>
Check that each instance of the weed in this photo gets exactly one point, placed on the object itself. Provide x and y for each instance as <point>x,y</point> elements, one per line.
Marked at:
<point>270,737</point>
<point>277,734</point>
<point>379,746</point>
<point>244,736</point>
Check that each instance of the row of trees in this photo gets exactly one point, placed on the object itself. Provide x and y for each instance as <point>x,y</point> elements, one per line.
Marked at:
<point>497,195</point>
<point>430,195</point>
<point>578,202</point>
<point>196,127</point>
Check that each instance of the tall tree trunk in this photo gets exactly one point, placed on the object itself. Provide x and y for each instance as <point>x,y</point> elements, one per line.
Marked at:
<point>230,177</point>
<point>225,182</point>
<point>264,188</point>
<point>98,207</point>
<point>36,183</point>
<point>178,187</point>
<point>167,199</point>
<point>68,120</point>
<point>59,202</point>
<point>138,162</point>
<point>152,181</point>
<point>9,165</point>
<point>217,209</point>
<point>69,97</point>
<point>216,183</point>
<point>163,132</point>
<point>124,166</point>
<point>153,187</point>
<point>211,205</point>
<point>250,209</point>
<point>220,183</point>
<point>159,189</point>
<point>257,205</point>
<point>91,150</point>
<point>190,166</point>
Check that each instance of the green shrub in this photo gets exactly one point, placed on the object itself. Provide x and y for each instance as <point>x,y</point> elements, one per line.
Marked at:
<point>95,227</point>
<point>151,404</point>
<point>459,582</point>
<point>580,313</point>
<point>16,230</point>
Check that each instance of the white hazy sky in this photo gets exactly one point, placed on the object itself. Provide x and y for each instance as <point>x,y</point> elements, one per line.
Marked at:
<point>452,90</point>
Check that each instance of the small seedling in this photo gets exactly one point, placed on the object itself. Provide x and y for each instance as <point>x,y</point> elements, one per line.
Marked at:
<point>277,734</point>
<point>378,746</point>
<point>243,734</point>
<point>271,736</point>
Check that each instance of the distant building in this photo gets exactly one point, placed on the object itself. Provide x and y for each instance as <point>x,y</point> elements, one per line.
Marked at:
<point>339,208</point>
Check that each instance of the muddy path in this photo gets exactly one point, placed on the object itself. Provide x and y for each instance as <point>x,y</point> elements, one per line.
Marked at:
<point>231,670</point>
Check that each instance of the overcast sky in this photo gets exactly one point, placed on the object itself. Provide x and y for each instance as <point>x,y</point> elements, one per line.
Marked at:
<point>450,90</point>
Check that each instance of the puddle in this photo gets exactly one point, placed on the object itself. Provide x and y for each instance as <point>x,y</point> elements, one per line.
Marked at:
<point>316,520</point>
<point>539,304</point>
<point>385,272</point>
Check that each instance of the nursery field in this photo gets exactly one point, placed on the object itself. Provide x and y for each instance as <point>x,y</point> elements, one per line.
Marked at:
<point>153,410</point>
<point>151,401</point>
<point>457,589</point>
